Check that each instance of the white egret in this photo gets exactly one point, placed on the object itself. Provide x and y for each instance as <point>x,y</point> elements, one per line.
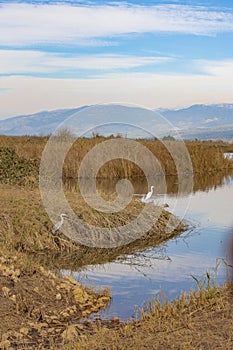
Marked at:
<point>143,198</point>
<point>59,223</point>
<point>149,194</point>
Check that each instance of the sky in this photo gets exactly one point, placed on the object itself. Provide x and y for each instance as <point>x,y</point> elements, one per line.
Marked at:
<point>155,54</point>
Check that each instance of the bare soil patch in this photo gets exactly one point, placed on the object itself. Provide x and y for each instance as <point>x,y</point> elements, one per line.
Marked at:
<point>36,306</point>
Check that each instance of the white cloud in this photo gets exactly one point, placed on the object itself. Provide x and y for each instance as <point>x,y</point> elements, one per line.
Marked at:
<point>178,269</point>
<point>29,61</point>
<point>214,67</point>
<point>26,24</point>
<point>31,94</point>
<point>210,120</point>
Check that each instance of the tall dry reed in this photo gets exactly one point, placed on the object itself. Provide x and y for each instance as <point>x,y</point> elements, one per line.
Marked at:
<point>206,156</point>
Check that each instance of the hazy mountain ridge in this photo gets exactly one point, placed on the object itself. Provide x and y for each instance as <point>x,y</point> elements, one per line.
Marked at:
<point>197,121</point>
<point>41,123</point>
<point>197,116</point>
<point>222,132</point>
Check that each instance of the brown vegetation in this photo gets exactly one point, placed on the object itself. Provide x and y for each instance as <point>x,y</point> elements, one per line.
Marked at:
<point>40,309</point>
<point>26,227</point>
<point>200,320</point>
<point>206,157</point>
<point>37,306</point>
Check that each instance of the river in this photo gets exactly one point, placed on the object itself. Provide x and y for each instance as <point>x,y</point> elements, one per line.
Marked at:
<point>168,268</point>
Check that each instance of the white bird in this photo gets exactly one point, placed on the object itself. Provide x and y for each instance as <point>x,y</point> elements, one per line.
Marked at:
<point>59,223</point>
<point>149,194</point>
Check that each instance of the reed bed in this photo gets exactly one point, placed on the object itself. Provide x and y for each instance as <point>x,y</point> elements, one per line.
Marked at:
<point>25,227</point>
<point>206,157</point>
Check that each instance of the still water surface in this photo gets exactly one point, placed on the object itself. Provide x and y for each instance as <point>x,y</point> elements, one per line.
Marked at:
<point>135,279</point>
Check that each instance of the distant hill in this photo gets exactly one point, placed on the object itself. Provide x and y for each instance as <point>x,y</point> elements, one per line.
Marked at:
<point>203,121</point>
<point>200,116</point>
<point>42,123</point>
<point>197,121</point>
<point>217,133</point>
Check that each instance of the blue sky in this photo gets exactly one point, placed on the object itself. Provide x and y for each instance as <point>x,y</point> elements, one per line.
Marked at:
<point>61,54</point>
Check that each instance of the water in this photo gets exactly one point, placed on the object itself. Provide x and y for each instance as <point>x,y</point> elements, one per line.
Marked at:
<point>228,155</point>
<point>135,279</point>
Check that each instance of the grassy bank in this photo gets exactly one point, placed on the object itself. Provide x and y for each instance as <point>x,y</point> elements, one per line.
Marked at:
<point>200,320</point>
<point>42,310</point>
<point>206,157</point>
<point>26,227</point>
<point>38,307</point>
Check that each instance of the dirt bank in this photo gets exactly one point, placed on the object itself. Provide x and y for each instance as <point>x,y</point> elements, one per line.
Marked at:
<point>37,307</point>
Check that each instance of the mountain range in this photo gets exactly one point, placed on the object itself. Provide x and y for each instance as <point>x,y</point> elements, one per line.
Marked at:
<point>199,121</point>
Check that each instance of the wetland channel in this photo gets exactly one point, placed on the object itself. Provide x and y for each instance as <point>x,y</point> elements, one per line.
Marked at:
<point>139,277</point>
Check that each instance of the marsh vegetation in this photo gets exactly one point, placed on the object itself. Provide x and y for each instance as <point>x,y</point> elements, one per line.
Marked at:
<point>41,308</point>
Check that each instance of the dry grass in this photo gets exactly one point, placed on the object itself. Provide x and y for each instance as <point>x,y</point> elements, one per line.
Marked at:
<point>28,293</point>
<point>37,306</point>
<point>200,320</point>
<point>207,157</point>
<point>29,147</point>
<point>26,227</point>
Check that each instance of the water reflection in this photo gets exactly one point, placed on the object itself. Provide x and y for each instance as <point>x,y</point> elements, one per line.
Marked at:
<point>230,254</point>
<point>137,277</point>
<point>201,182</point>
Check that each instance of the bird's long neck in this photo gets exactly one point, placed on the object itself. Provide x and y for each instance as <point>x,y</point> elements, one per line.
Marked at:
<point>62,219</point>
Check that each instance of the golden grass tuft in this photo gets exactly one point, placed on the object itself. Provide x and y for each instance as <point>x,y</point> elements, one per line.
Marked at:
<point>198,320</point>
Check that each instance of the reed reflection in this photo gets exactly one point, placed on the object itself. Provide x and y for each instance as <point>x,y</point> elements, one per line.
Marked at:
<point>202,182</point>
